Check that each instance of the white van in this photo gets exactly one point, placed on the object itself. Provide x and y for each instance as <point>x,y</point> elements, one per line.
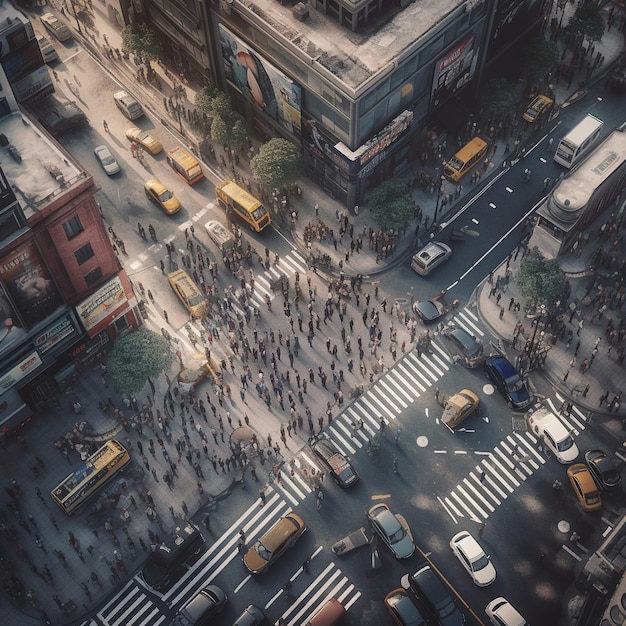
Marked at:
<point>220,235</point>
<point>549,428</point>
<point>48,51</point>
<point>128,105</point>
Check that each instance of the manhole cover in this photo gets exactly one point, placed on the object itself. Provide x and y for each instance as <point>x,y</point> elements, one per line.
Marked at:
<point>563,526</point>
<point>488,389</point>
<point>422,441</point>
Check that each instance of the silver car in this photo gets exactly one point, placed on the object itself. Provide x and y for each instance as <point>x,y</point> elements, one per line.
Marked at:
<point>107,160</point>
<point>392,529</point>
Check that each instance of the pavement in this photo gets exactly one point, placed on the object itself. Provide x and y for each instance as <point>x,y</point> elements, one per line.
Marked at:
<point>192,425</point>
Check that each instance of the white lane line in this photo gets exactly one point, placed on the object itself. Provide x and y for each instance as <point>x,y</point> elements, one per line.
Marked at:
<point>429,367</point>
<point>313,599</point>
<point>506,466</point>
<point>400,389</point>
<point>471,501</point>
<point>471,486</point>
<point>378,395</point>
<point>469,512</point>
<point>480,469</point>
<point>407,382</point>
<point>446,508</point>
<point>417,372</point>
<point>386,412</point>
<point>493,474</point>
<point>471,327</point>
<point>383,383</point>
<point>344,442</point>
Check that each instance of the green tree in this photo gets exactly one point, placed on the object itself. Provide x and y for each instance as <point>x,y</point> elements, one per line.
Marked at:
<point>390,205</point>
<point>499,97</point>
<point>204,99</point>
<point>587,22</point>
<point>140,40</point>
<point>278,163</point>
<point>227,126</point>
<point>541,281</point>
<point>538,58</point>
<point>137,356</point>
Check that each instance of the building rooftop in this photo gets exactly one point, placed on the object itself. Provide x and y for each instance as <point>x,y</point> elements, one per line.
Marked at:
<point>353,57</point>
<point>35,167</point>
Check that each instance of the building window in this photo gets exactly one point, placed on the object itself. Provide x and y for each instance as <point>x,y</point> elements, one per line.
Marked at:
<point>83,254</point>
<point>93,277</point>
<point>121,324</point>
<point>73,227</point>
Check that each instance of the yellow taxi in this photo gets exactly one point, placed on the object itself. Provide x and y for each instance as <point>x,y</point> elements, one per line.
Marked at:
<point>584,487</point>
<point>144,139</point>
<point>538,107</point>
<point>158,192</point>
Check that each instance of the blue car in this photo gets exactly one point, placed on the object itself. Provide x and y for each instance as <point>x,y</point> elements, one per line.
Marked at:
<point>508,382</point>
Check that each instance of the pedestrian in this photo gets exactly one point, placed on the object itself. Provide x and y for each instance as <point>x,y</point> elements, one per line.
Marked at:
<point>106,126</point>
<point>165,316</point>
<point>262,496</point>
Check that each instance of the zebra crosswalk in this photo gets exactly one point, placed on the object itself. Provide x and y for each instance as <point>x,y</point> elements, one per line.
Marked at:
<point>137,605</point>
<point>504,469</point>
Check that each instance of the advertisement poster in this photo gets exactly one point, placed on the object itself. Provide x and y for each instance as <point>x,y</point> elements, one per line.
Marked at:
<point>11,329</point>
<point>29,285</point>
<point>454,70</point>
<point>269,90</point>
<point>102,303</point>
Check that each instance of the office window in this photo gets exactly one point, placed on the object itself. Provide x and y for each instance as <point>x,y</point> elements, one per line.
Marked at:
<point>73,227</point>
<point>93,277</point>
<point>84,253</point>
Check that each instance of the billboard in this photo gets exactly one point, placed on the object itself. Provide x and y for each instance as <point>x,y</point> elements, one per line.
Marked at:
<point>265,86</point>
<point>29,285</point>
<point>454,70</point>
<point>102,303</point>
<point>11,327</point>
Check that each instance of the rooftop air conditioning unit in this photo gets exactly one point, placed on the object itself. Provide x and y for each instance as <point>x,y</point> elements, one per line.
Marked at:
<point>301,12</point>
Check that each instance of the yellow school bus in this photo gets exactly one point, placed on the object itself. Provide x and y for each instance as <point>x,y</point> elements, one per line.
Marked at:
<point>465,159</point>
<point>185,165</point>
<point>93,474</point>
<point>237,200</point>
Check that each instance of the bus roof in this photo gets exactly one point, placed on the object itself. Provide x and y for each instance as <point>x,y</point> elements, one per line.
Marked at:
<point>240,195</point>
<point>575,190</point>
<point>581,131</point>
<point>180,153</point>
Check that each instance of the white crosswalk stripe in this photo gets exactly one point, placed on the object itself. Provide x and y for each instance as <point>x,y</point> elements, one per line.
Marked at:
<point>133,607</point>
<point>495,478</point>
<point>468,321</point>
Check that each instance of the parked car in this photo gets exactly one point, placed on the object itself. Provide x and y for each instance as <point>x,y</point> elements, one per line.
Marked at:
<point>393,529</point>
<point>458,407</point>
<point>273,544</point>
<point>540,106</point>
<point>508,382</point>
<point>584,487</point>
<point>48,51</point>
<point>252,616</point>
<point>473,558</point>
<point>336,463</point>
<point>428,311</point>
<point>603,470</point>
<point>502,613</point>
<point>57,117</point>
<point>144,139</point>
<point>202,608</point>
<point>107,160</point>
<point>430,256</point>
<point>159,193</point>
<point>464,346</point>
<point>434,596</point>
<point>555,436</point>
<point>402,609</point>
<point>56,27</point>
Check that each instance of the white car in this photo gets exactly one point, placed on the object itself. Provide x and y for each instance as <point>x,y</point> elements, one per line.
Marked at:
<point>558,439</point>
<point>502,613</point>
<point>473,558</point>
<point>107,160</point>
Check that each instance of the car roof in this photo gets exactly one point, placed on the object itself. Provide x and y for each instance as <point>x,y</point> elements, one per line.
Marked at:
<point>430,584</point>
<point>503,365</point>
<point>469,545</point>
<point>284,528</point>
<point>467,340</point>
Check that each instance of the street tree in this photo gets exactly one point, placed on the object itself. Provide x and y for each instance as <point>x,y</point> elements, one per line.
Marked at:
<point>539,57</point>
<point>140,40</point>
<point>277,164</point>
<point>499,97</point>
<point>226,125</point>
<point>587,22</point>
<point>541,280</point>
<point>137,356</point>
<point>390,205</point>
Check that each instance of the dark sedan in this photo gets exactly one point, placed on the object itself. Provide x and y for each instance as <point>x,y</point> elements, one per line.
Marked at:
<point>508,382</point>
<point>603,470</point>
<point>465,348</point>
<point>334,461</point>
<point>428,310</point>
<point>202,608</point>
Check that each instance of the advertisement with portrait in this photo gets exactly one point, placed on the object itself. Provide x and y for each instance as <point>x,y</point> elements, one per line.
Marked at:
<point>11,328</point>
<point>29,285</point>
<point>454,70</point>
<point>265,86</point>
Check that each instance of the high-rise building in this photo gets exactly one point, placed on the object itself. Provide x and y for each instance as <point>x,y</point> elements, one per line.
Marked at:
<point>356,83</point>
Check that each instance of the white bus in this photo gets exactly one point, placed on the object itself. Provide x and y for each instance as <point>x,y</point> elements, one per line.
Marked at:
<point>582,137</point>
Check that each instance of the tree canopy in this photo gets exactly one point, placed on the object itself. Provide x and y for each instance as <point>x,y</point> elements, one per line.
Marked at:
<point>390,205</point>
<point>140,40</point>
<point>227,126</point>
<point>278,163</point>
<point>540,280</point>
<point>137,356</point>
<point>499,97</point>
<point>587,22</point>
<point>538,57</point>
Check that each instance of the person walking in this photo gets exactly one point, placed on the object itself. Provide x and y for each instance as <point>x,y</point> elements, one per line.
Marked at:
<point>395,465</point>
<point>152,232</point>
<point>106,126</point>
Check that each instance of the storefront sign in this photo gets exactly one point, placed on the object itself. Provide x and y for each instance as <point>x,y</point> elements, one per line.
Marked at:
<point>18,372</point>
<point>53,334</point>
<point>102,303</point>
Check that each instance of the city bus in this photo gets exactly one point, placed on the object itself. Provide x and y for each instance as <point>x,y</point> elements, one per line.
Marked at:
<point>465,159</point>
<point>237,200</point>
<point>582,137</point>
<point>94,473</point>
<point>185,165</point>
